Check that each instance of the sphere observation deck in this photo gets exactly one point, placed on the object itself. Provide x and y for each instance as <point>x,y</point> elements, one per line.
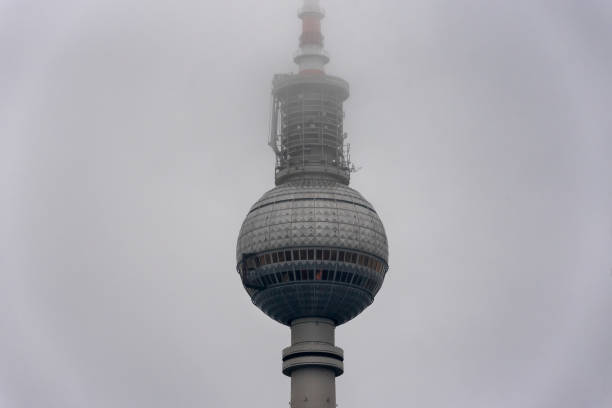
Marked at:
<point>312,246</point>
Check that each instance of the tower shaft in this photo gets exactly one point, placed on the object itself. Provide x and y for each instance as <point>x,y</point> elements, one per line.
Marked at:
<point>313,362</point>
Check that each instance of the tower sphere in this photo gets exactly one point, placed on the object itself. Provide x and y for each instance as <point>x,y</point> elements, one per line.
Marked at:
<point>312,246</point>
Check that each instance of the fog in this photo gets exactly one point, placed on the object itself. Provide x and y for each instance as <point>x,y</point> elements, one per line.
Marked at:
<point>133,142</point>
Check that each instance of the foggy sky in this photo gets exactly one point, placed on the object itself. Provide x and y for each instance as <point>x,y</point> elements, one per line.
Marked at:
<point>133,142</point>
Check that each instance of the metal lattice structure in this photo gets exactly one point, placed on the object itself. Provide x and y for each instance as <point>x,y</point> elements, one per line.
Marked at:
<point>307,126</point>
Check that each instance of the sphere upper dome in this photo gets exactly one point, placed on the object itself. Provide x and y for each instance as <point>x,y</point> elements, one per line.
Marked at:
<point>313,212</point>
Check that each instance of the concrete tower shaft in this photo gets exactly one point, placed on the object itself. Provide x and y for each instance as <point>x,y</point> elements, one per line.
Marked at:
<point>313,362</point>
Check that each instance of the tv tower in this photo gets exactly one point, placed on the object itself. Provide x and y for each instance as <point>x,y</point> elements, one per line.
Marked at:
<point>312,253</point>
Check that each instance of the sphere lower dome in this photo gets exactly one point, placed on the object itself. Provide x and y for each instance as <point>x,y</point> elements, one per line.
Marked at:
<point>312,247</point>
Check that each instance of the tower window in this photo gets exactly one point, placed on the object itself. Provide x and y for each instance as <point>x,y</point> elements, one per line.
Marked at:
<point>371,284</point>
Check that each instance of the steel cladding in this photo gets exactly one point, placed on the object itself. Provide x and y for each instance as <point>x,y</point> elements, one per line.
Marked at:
<point>312,247</point>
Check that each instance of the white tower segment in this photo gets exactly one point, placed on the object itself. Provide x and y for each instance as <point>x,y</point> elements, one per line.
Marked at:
<point>311,57</point>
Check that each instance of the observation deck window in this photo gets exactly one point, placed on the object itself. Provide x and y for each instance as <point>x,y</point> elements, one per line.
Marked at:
<point>350,278</point>
<point>247,267</point>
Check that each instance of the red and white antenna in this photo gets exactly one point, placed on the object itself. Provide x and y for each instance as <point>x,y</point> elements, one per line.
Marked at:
<point>311,57</point>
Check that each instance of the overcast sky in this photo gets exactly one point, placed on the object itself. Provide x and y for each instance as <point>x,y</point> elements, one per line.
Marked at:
<point>133,142</point>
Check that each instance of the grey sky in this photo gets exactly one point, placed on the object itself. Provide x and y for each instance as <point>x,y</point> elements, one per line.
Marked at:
<point>133,142</point>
